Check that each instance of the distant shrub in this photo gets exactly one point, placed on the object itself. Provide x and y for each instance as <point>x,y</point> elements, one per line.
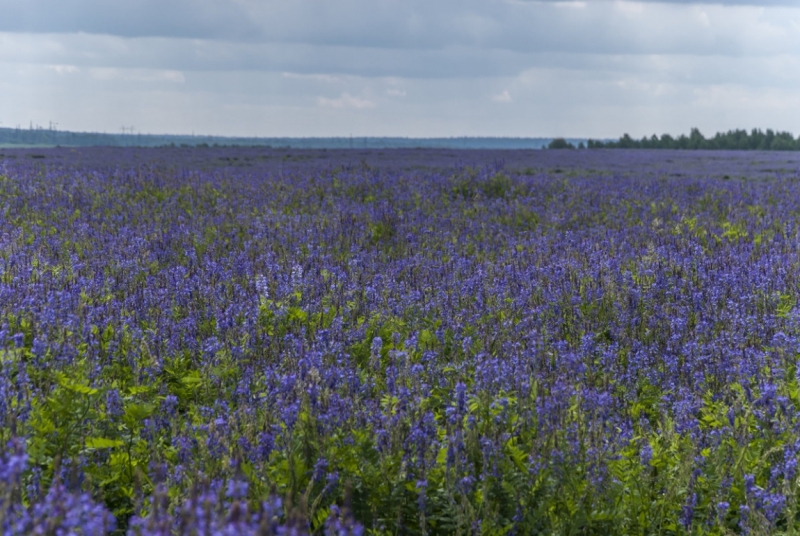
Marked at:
<point>497,186</point>
<point>471,185</point>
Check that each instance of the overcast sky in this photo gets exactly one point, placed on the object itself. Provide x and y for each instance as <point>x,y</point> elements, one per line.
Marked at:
<point>594,68</point>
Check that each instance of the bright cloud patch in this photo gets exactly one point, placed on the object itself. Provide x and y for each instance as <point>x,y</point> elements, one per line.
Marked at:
<point>505,96</point>
<point>346,101</point>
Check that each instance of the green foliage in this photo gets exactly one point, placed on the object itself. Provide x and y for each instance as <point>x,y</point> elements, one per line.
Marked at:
<point>470,185</point>
<point>731,140</point>
<point>250,389</point>
<point>560,143</point>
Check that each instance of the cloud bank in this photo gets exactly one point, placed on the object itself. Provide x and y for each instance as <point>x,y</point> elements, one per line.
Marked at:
<point>391,67</point>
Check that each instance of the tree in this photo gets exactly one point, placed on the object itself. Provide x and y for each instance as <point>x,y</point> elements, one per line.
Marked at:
<point>560,143</point>
<point>696,139</point>
<point>666,142</point>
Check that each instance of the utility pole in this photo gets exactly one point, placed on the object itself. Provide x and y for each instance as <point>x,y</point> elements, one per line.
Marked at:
<point>125,129</point>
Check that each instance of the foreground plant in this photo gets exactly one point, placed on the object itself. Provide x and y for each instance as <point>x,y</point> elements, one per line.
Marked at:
<point>347,350</point>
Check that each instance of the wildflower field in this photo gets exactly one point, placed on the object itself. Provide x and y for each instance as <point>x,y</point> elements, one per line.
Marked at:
<point>252,341</point>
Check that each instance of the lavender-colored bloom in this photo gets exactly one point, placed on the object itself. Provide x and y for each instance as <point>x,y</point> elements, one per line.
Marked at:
<point>114,407</point>
<point>543,327</point>
<point>236,489</point>
<point>19,339</point>
<point>14,462</point>
<point>744,516</point>
<point>262,287</point>
<point>340,524</point>
<point>320,468</point>
<point>170,405</point>
<point>59,511</point>
<point>687,512</point>
<point>646,454</point>
<point>422,486</point>
<point>461,398</point>
<point>297,276</point>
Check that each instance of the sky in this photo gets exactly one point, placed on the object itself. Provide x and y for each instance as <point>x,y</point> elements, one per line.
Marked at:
<point>417,68</point>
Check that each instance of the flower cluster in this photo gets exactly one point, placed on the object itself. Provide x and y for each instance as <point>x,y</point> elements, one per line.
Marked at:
<point>294,344</point>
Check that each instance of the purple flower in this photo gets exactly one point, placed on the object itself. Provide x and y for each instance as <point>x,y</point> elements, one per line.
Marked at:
<point>170,405</point>
<point>646,454</point>
<point>114,407</point>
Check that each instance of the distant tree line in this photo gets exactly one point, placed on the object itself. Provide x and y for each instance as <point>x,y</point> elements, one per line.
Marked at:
<point>561,143</point>
<point>741,140</point>
<point>49,137</point>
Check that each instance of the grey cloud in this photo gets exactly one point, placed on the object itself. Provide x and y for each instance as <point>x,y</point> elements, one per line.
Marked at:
<point>790,3</point>
<point>130,18</point>
<point>599,100</point>
<point>87,51</point>
<point>733,3</point>
<point>64,53</point>
<point>330,67</point>
<point>520,26</point>
<point>502,39</point>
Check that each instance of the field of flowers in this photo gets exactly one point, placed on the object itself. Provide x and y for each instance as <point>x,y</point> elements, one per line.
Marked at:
<point>247,341</point>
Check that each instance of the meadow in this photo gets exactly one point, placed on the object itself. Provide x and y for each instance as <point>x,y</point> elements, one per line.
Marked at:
<point>253,341</point>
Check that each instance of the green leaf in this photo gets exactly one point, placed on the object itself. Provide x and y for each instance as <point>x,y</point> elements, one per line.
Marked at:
<point>102,443</point>
<point>517,456</point>
<point>11,355</point>
<point>297,314</point>
<point>135,413</point>
<point>320,516</point>
<point>192,379</point>
<point>426,338</point>
<point>70,385</point>
<point>41,424</point>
